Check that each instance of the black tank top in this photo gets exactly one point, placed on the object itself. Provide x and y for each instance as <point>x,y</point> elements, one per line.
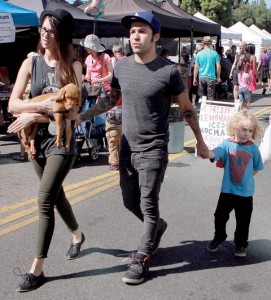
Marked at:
<point>43,80</point>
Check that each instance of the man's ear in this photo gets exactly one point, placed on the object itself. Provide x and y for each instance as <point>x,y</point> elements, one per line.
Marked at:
<point>157,37</point>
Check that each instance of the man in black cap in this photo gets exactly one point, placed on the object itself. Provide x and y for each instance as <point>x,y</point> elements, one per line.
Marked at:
<point>146,82</point>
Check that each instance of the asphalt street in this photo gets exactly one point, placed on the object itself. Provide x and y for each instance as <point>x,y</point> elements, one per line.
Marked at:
<point>181,269</point>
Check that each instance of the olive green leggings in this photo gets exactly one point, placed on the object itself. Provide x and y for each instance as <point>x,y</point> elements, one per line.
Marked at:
<point>51,172</point>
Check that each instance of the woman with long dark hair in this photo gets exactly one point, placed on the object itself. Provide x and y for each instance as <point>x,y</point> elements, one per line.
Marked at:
<point>54,67</point>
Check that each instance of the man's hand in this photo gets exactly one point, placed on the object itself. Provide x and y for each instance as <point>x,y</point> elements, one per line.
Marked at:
<point>78,120</point>
<point>202,150</point>
<point>195,82</point>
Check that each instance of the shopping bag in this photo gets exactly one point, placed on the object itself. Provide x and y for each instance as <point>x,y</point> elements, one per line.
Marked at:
<point>265,145</point>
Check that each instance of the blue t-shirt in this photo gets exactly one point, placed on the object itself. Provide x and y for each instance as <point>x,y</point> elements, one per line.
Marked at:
<point>240,161</point>
<point>207,60</point>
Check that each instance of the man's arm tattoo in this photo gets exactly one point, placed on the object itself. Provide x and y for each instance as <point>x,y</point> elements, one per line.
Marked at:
<point>103,105</point>
<point>192,119</point>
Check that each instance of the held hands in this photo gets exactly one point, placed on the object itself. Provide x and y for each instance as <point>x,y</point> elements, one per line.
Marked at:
<point>202,150</point>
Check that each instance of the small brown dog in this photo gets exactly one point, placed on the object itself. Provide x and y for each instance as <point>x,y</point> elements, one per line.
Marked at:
<point>67,98</point>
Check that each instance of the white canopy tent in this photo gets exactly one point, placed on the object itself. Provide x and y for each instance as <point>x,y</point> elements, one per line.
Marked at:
<point>250,36</point>
<point>259,31</point>
<point>226,33</point>
<point>267,33</point>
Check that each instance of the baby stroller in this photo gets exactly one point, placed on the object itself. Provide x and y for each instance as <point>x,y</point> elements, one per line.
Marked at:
<point>90,133</point>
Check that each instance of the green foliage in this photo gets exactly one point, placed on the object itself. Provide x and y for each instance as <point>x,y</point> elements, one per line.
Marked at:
<point>228,12</point>
<point>255,13</point>
<point>219,11</point>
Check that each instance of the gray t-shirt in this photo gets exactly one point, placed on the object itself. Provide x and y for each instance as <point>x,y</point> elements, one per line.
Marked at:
<point>146,98</point>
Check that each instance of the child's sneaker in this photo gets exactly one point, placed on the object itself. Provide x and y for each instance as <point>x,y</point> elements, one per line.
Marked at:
<point>240,252</point>
<point>213,246</point>
<point>137,270</point>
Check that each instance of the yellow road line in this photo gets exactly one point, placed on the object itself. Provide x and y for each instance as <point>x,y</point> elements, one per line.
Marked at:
<point>94,192</point>
<point>18,225</point>
<point>262,111</point>
<point>26,212</point>
<point>111,179</point>
<point>35,218</point>
<point>68,188</point>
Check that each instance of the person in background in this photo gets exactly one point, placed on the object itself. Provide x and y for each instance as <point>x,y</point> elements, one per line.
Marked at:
<point>118,53</point>
<point>241,160</point>
<point>263,69</point>
<point>194,88</point>
<point>99,71</point>
<point>237,67</point>
<point>232,53</point>
<point>99,66</point>
<point>244,80</point>
<point>113,120</point>
<point>146,99</point>
<point>165,54</point>
<point>207,69</point>
<point>185,56</point>
<point>54,67</point>
<point>250,50</point>
<point>221,52</point>
<point>269,54</point>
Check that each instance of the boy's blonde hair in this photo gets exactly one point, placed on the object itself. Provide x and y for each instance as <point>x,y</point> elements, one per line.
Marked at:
<point>236,122</point>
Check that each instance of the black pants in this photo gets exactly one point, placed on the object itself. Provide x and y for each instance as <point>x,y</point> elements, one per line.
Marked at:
<point>243,207</point>
<point>141,177</point>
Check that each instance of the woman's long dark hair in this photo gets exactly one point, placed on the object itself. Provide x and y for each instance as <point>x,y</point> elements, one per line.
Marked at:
<point>66,54</point>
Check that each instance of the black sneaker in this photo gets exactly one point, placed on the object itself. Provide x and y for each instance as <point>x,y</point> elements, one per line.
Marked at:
<point>138,269</point>
<point>213,246</point>
<point>162,226</point>
<point>30,282</point>
<point>74,250</point>
<point>240,252</point>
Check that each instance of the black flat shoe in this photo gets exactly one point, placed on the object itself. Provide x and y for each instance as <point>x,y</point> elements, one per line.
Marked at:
<point>264,90</point>
<point>74,249</point>
<point>30,282</point>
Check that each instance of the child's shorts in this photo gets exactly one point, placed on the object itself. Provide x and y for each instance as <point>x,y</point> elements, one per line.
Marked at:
<point>244,95</point>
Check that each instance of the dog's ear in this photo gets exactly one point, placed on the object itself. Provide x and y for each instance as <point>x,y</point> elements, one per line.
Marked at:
<point>61,95</point>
